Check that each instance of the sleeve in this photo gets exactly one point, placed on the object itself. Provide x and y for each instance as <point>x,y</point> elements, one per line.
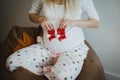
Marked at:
<point>36,6</point>
<point>89,8</point>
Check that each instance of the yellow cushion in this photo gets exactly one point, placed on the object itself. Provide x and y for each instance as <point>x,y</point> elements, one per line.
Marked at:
<point>26,41</point>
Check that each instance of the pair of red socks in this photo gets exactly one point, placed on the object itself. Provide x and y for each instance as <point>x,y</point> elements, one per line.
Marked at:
<point>60,31</point>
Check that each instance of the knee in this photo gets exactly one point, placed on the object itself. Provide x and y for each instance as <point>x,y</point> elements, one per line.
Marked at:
<point>9,64</point>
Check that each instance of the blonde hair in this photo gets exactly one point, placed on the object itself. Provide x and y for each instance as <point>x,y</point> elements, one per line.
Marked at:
<point>70,6</point>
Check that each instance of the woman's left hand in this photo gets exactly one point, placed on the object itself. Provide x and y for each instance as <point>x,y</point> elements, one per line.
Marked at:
<point>65,23</point>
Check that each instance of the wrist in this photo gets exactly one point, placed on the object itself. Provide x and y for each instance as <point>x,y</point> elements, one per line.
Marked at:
<point>41,19</point>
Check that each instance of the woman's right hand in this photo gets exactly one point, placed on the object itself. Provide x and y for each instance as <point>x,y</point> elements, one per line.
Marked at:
<point>45,23</point>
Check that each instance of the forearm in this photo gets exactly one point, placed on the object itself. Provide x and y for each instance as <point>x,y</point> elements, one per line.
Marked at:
<point>35,17</point>
<point>90,23</point>
<point>41,20</point>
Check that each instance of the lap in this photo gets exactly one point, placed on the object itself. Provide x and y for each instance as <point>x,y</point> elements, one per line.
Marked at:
<point>32,58</point>
<point>35,56</point>
<point>70,63</point>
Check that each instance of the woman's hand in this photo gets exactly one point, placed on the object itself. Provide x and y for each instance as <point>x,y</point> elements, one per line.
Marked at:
<point>45,23</point>
<point>66,22</point>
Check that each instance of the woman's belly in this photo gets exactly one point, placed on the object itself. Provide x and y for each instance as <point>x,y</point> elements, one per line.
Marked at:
<point>74,37</point>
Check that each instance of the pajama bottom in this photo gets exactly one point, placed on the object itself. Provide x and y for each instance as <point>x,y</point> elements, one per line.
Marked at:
<point>36,57</point>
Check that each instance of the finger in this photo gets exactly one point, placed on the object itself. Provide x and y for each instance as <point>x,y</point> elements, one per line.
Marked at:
<point>47,25</point>
<point>62,26</point>
<point>43,26</point>
<point>50,26</point>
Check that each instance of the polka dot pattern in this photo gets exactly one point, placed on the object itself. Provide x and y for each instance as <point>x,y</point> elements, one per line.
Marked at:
<point>35,57</point>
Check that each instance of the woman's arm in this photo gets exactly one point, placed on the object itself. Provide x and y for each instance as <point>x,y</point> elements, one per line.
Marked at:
<point>90,23</point>
<point>41,20</point>
<point>34,17</point>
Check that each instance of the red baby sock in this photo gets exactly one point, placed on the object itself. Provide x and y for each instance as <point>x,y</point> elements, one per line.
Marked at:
<point>52,34</point>
<point>61,32</point>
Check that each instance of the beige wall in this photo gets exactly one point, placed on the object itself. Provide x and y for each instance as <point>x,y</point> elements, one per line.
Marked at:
<point>105,39</point>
